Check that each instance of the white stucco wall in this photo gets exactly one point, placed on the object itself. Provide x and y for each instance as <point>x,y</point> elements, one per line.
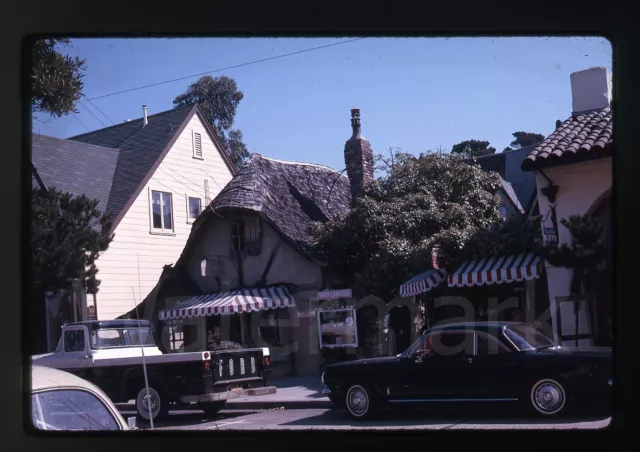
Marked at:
<point>580,186</point>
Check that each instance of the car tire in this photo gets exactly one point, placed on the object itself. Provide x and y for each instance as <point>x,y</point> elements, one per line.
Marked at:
<point>212,408</point>
<point>547,397</point>
<point>361,401</point>
<point>159,403</point>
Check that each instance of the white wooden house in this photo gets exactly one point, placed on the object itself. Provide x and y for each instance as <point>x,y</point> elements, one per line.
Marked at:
<point>155,174</point>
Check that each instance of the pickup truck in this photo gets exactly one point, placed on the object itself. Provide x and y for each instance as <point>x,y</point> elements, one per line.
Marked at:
<point>109,354</point>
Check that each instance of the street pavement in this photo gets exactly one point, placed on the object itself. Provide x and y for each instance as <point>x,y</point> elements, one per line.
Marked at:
<point>300,405</point>
<point>323,419</point>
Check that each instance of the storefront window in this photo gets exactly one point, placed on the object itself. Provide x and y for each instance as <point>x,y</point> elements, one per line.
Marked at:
<point>337,328</point>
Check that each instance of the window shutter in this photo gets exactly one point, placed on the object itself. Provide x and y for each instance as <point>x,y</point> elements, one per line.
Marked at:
<point>197,145</point>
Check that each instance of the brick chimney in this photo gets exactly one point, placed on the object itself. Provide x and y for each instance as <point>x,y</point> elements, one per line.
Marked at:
<point>590,89</point>
<point>358,158</point>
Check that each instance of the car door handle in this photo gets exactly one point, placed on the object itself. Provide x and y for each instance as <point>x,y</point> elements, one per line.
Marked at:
<point>469,360</point>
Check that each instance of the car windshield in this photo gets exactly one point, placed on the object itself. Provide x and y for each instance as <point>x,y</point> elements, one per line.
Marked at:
<point>121,337</point>
<point>526,337</point>
<point>70,409</point>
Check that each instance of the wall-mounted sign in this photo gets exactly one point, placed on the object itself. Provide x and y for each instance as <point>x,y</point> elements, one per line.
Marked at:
<point>549,234</point>
<point>334,294</point>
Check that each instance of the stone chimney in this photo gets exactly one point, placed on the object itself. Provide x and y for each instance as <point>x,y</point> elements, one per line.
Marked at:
<point>358,159</point>
<point>590,89</point>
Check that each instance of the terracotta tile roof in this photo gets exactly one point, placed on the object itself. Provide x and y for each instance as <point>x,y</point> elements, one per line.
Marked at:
<point>583,136</point>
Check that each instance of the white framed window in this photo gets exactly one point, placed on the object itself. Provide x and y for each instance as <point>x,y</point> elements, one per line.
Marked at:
<point>194,207</point>
<point>197,145</point>
<point>161,215</point>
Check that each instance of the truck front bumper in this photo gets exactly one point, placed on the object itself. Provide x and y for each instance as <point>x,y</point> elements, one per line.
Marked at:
<point>220,396</point>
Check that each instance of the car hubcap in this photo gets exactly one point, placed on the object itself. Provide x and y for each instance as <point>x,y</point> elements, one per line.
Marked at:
<point>548,397</point>
<point>358,401</point>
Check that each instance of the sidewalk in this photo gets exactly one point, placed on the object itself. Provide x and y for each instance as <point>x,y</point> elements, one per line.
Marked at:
<point>293,393</point>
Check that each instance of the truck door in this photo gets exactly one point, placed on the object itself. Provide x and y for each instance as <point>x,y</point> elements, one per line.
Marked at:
<point>75,356</point>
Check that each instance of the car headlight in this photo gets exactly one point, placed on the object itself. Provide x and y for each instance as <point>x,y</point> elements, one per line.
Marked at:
<point>322,378</point>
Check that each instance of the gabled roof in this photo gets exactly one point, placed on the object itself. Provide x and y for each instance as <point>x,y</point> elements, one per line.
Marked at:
<point>137,151</point>
<point>289,195</point>
<point>140,148</point>
<point>78,168</point>
<point>584,136</point>
<point>511,194</point>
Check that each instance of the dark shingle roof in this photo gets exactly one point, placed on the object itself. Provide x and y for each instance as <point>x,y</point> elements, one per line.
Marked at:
<point>78,168</point>
<point>289,195</point>
<point>139,147</point>
<point>583,136</point>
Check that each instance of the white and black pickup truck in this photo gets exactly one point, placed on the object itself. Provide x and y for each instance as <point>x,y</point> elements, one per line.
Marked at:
<point>109,354</point>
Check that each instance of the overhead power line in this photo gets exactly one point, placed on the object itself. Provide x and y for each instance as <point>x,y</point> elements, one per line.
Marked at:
<point>222,69</point>
<point>94,115</point>
<point>96,107</point>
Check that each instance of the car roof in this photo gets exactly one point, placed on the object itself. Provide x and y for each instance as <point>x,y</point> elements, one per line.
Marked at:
<point>482,326</point>
<point>124,323</point>
<point>43,378</point>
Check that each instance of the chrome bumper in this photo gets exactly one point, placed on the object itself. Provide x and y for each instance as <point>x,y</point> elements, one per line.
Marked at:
<point>220,396</point>
<point>326,391</point>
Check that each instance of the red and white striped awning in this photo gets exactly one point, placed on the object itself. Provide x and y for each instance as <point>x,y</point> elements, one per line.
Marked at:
<point>496,270</point>
<point>423,282</point>
<point>244,300</point>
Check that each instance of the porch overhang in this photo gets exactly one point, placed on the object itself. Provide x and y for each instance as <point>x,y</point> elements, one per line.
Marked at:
<point>497,270</point>
<point>238,301</point>
<point>423,282</point>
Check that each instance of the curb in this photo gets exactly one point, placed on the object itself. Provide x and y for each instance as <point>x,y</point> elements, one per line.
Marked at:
<point>321,404</point>
<point>287,405</point>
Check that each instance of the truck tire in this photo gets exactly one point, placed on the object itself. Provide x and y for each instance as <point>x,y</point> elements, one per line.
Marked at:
<point>212,408</point>
<point>159,403</point>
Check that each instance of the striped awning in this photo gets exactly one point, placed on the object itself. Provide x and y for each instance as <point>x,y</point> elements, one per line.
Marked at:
<point>423,282</point>
<point>496,270</point>
<point>244,300</point>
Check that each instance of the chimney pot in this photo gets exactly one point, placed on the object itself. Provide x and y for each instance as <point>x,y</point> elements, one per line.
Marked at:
<point>358,158</point>
<point>145,120</point>
<point>590,89</point>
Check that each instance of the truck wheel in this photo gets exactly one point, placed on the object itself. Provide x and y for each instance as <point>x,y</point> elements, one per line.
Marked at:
<point>159,405</point>
<point>212,408</point>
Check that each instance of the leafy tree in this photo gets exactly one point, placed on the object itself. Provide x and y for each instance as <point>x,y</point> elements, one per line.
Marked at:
<point>219,98</point>
<point>474,148</point>
<point>426,201</point>
<point>56,79</point>
<point>68,234</point>
<point>524,139</point>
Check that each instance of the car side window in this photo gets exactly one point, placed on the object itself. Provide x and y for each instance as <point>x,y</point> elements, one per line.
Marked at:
<point>449,344</point>
<point>71,409</point>
<point>489,346</point>
<point>74,341</point>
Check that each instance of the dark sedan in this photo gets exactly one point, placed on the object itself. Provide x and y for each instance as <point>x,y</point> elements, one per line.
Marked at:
<point>476,362</point>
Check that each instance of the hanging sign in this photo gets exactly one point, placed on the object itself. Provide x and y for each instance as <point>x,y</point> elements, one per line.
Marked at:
<point>334,294</point>
<point>549,234</point>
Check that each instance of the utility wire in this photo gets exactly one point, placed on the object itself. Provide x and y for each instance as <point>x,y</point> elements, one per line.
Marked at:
<point>96,107</point>
<point>222,69</point>
<point>78,119</point>
<point>93,114</point>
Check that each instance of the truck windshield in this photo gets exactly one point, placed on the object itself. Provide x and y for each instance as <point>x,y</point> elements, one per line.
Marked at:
<point>121,337</point>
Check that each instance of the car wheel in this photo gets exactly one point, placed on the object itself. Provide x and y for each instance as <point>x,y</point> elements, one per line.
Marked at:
<point>548,397</point>
<point>361,401</point>
<point>159,406</point>
<point>212,408</point>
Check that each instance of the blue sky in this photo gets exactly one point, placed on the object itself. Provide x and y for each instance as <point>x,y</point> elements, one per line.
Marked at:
<point>414,93</point>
